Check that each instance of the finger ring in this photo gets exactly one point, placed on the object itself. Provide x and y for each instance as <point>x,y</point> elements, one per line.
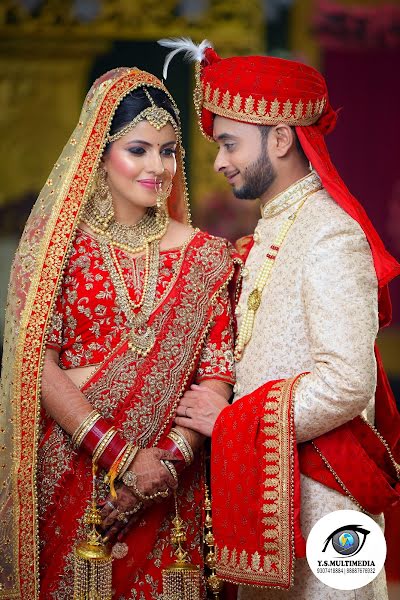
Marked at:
<point>186,414</point>
<point>111,505</point>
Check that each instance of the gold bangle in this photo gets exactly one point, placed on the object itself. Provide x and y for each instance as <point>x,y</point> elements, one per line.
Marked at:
<point>170,468</point>
<point>86,425</point>
<point>129,460</point>
<point>120,459</point>
<point>183,445</point>
<point>103,443</point>
<point>127,450</point>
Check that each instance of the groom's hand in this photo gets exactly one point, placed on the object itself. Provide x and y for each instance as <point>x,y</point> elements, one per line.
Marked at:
<point>199,408</point>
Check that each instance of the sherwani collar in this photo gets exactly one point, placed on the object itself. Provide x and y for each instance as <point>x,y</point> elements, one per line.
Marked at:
<point>292,195</point>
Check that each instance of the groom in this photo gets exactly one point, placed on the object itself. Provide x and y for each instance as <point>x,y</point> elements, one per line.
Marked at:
<point>310,383</point>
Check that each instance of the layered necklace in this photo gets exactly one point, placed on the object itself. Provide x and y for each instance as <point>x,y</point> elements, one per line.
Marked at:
<point>142,236</point>
<point>297,193</point>
<point>141,336</point>
<point>131,238</point>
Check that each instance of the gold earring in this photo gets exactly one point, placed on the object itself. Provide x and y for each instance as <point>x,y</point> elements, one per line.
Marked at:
<point>102,198</point>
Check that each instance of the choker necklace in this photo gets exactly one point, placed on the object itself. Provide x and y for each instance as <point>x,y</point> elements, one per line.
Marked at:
<point>131,238</point>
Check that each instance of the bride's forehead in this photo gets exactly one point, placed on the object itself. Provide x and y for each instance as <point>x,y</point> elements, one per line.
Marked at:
<point>146,132</point>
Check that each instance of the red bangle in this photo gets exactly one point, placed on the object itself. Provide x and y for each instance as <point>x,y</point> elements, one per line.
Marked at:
<point>112,449</point>
<point>169,445</point>
<point>94,435</point>
<point>111,452</point>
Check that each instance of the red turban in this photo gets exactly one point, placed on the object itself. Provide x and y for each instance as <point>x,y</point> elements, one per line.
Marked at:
<point>265,90</point>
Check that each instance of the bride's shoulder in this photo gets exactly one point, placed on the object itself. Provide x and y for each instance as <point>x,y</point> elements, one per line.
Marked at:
<point>176,235</point>
<point>179,234</point>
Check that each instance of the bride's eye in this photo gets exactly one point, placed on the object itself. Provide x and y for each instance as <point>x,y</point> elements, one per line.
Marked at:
<point>137,150</point>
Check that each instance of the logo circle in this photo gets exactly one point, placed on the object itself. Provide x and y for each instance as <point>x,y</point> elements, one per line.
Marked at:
<point>346,549</point>
<point>346,542</point>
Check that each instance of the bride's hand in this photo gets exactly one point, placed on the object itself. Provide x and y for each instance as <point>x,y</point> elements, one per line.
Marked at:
<point>118,512</point>
<point>151,475</point>
<point>151,478</point>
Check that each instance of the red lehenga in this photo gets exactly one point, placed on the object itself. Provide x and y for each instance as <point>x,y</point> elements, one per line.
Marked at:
<point>138,395</point>
<point>60,294</point>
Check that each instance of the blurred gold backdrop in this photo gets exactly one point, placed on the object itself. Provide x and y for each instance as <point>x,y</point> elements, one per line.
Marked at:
<point>45,58</point>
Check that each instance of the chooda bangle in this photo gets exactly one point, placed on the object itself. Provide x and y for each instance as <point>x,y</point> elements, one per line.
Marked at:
<point>85,427</point>
<point>103,443</point>
<point>170,468</point>
<point>112,450</point>
<point>127,459</point>
<point>100,440</point>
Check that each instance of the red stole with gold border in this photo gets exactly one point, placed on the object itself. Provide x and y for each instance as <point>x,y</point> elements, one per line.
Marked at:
<point>256,488</point>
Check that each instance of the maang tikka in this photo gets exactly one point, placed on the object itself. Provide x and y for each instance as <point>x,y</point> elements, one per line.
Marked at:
<point>157,116</point>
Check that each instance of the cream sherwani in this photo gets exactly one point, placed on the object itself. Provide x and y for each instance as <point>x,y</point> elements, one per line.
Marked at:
<point>318,313</point>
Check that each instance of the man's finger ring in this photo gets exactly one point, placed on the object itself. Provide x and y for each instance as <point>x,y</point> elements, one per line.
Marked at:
<point>111,505</point>
<point>186,414</point>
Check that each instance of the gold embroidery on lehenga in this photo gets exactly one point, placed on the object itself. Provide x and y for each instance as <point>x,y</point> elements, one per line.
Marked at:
<point>160,389</point>
<point>54,458</point>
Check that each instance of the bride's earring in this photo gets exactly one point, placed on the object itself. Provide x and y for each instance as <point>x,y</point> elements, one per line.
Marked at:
<point>102,198</point>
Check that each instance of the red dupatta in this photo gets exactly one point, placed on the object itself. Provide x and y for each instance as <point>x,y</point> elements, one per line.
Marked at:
<point>256,488</point>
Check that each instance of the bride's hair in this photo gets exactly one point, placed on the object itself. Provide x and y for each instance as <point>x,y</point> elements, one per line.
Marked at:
<point>135,102</point>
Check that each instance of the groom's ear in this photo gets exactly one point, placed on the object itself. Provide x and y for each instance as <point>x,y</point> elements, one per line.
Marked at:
<point>281,140</point>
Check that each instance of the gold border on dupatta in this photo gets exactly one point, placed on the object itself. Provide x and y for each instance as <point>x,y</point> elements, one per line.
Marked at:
<point>273,565</point>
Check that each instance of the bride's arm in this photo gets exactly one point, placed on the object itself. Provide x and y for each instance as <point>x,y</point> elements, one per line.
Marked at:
<point>61,398</point>
<point>66,404</point>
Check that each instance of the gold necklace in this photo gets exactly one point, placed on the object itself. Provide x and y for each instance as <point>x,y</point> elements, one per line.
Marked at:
<point>141,335</point>
<point>131,238</point>
<point>254,299</point>
<point>134,305</point>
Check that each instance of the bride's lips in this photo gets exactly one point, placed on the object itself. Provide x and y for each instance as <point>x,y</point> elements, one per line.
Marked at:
<point>151,184</point>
